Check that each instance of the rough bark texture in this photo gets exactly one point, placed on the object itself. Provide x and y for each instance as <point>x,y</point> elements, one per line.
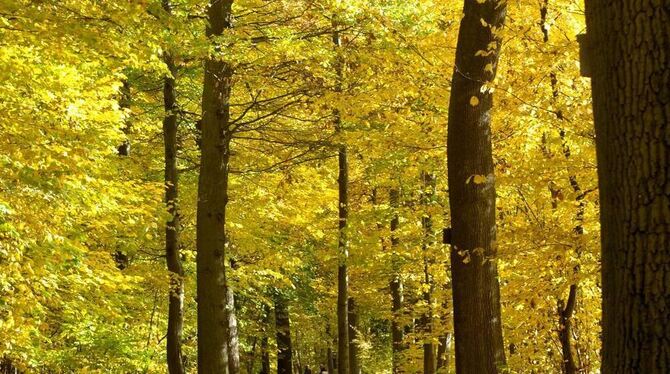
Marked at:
<point>343,243</point>
<point>212,201</point>
<point>397,331</point>
<point>630,64</point>
<point>283,324</point>
<point>354,367</point>
<point>476,292</point>
<point>172,229</point>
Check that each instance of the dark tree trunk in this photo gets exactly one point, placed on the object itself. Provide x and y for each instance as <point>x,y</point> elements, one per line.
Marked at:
<point>213,320</point>
<point>343,243</point>
<point>283,324</point>
<point>476,291</point>
<point>565,310</point>
<point>426,321</point>
<point>124,103</point>
<point>397,331</point>
<point>627,50</point>
<point>353,338</point>
<point>265,356</point>
<point>175,362</point>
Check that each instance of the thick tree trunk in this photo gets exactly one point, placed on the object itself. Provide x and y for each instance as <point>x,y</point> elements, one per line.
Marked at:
<point>343,243</point>
<point>354,367</point>
<point>628,43</point>
<point>397,331</point>
<point>476,292</point>
<point>172,229</point>
<point>213,322</point>
<point>283,324</point>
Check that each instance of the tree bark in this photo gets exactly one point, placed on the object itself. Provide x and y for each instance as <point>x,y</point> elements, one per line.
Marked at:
<point>627,50</point>
<point>476,291</point>
<point>213,322</point>
<point>426,321</point>
<point>233,339</point>
<point>343,243</point>
<point>397,331</point>
<point>172,231</point>
<point>283,324</point>
<point>565,309</point>
<point>175,362</point>
<point>354,367</point>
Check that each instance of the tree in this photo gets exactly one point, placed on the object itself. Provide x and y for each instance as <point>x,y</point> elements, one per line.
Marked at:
<point>476,295</point>
<point>283,324</point>
<point>213,319</point>
<point>625,51</point>
<point>343,214</point>
<point>172,244</point>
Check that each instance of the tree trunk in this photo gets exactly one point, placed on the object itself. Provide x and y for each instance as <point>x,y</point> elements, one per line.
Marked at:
<point>124,103</point>
<point>426,321</point>
<point>443,353</point>
<point>213,322</point>
<point>397,332</point>
<point>353,338</point>
<point>343,244</point>
<point>283,324</point>
<point>627,50</point>
<point>265,355</point>
<point>175,362</point>
<point>565,310</point>
<point>476,291</point>
<point>233,340</point>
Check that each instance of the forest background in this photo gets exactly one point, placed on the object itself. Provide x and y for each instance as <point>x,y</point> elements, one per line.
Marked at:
<point>83,280</point>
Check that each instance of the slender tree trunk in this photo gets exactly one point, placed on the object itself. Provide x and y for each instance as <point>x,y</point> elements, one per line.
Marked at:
<point>265,355</point>
<point>213,322</point>
<point>443,353</point>
<point>172,229</point>
<point>397,331</point>
<point>343,243</point>
<point>476,291</point>
<point>354,367</point>
<point>283,325</point>
<point>329,352</point>
<point>565,309</point>
<point>233,339</point>
<point>627,49</point>
<point>426,321</point>
<point>124,103</point>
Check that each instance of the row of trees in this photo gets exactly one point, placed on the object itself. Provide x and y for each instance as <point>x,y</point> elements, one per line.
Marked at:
<point>316,145</point>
